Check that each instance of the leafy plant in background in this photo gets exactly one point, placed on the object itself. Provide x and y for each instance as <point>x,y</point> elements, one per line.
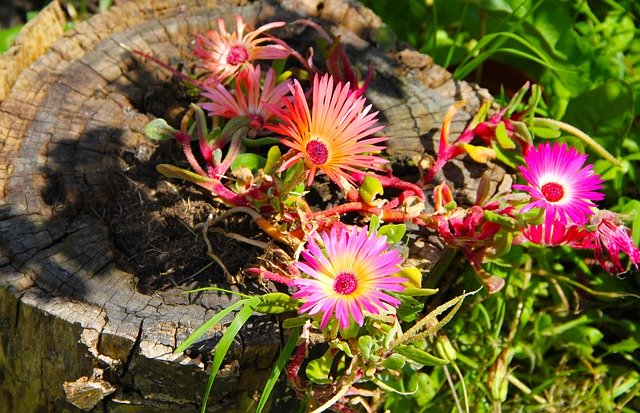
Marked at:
<point>344,276</point>
<point>573,342</point>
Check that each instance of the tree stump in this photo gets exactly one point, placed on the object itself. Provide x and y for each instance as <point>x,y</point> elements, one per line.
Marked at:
<point>78,330</point>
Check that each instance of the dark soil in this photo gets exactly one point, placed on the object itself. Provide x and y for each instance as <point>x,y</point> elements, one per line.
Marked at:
<point>156,225</point>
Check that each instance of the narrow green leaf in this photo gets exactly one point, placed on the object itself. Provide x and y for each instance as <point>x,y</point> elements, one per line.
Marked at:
<point>420,356</point>
<point>503,137</point>
<point>225,342</point>
<point>419,292</point>
<point>171,171</point>
<point>208,325</point>
<point>276,303</point>
<point>285,353</point>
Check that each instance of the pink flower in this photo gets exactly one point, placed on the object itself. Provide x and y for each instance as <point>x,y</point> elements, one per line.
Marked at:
<point>558,233</point>
<point>559,184</point>
<point>224,54</point>
<point>611,239</point>
<point>348,276</point>
<point>333,136</point>
<point>250,99</point>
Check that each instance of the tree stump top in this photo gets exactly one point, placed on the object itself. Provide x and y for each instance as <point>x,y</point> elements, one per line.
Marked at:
<point>76,330</point>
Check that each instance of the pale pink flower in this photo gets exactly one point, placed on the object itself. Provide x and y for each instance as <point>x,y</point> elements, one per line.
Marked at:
<point>348,276</point>
<point>224,54</point>
<point>334,136</point>
<point>612,238</point>
<point>250,97</point>
<point>559,184</point>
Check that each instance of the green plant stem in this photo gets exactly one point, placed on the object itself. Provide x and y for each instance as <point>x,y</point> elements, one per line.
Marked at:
<point>523,387</point>
<point>582,136</point>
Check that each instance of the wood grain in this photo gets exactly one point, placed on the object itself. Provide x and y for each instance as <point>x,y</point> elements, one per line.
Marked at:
<point>69,313</point>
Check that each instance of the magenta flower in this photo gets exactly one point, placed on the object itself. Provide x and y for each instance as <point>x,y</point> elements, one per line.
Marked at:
<point>611,239</point>
<point>251,98</point>
<point>224,54</point>
<point>559,184</point>
<point>333,136</point>
<point>348,276</point>
<point>558,233</point>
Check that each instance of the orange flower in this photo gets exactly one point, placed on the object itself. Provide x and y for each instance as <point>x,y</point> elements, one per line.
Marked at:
<point>334,136</point>
<point>224,54</point>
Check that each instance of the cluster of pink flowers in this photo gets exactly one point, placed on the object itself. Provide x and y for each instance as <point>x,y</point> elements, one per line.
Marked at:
<point>565,190</point>
<point>329,128</point>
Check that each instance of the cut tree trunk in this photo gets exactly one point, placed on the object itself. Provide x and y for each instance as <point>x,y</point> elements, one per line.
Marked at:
<point>75,332</point>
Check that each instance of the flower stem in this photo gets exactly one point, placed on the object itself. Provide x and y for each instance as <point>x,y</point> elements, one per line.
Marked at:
<point>580,135</point>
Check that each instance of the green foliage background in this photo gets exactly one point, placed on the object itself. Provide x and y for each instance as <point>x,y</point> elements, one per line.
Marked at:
<point>563,335</point>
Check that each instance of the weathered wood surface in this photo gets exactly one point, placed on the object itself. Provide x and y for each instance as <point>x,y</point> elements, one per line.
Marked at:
<point>71,318</point>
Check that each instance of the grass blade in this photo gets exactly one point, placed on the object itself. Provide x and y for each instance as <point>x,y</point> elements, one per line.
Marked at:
<point>225,342</point>
<point>287,350</point>
<point>208,325</point>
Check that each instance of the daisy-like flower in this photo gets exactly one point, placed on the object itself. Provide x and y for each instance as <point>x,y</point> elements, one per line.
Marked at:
<point>348,276</point>
<point>611,239</point>
<point>559,183</point>
<point>333,136</point>
<point>224,54</point>
<point>250,99</point>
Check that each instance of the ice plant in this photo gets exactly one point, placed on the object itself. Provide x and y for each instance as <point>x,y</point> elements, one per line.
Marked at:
<point>558,233</point>
<point>559,183</point>
<point>611,238</point>
<point>224,54</point>
<point>251,98</point>
<point>334,136</point>
<point>348,276</point>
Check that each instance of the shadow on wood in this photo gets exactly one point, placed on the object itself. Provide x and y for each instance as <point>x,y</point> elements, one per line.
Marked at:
<point>76,331</point>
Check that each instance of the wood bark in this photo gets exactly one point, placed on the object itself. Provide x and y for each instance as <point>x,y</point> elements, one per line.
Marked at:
<point>75,333</point>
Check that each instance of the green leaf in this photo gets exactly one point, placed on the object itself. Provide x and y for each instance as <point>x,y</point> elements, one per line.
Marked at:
<point>365,343</point>
<point>370,188</point>
<point>420,356</point>
<point>374,223</point>
<point>159,130</point>
<point>605,113</point>
<point>195,336</point>
<point>419,292</point>
<point>413,276</point>
<point>545,133</point>
<point>7,36</point>
<point>273,157</point>
<point>318,370</point>
<point>276,303</point>
<point>394,362</point>
<point>503,137</point>
<point>286,352</point>
<point>250,161</point>
<point>409,307</point>
<point>393,232</point>
<point>225,342</point>
<point>171,171</point>
<point>294,322</point>
<point>342,346</point>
